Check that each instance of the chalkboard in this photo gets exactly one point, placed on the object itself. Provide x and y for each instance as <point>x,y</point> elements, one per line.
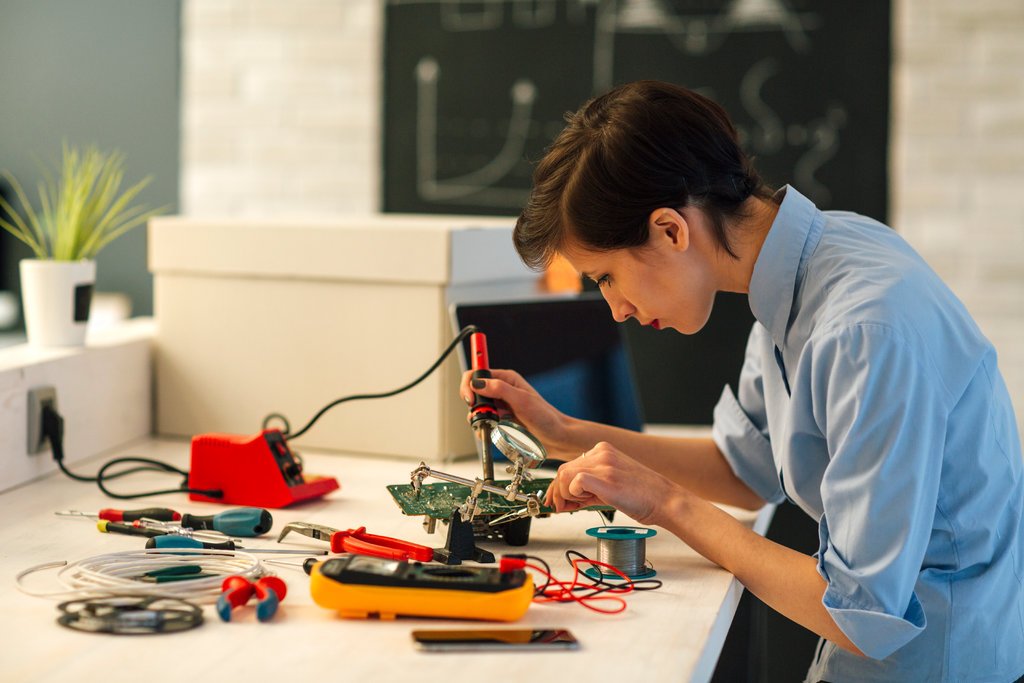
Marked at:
<point>474,92</point>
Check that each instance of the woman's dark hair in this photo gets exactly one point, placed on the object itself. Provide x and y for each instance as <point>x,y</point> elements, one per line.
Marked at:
<point>641,146</point>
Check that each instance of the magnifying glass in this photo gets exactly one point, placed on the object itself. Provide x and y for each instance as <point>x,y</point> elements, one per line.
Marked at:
<point>517,444</point>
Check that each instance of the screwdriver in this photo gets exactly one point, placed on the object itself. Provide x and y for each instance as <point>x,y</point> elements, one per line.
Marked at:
<point>237,522</point>
<point>152,529</point>
<point>175,541</point>
<point>483,414</point>
<point>129,529</point>
<point>114,515</point>
<point>169,541</point>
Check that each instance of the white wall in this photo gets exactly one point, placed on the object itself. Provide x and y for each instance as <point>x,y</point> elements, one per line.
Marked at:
<point>280,116</point>
<point>958,157</point>
<point>280,109</point>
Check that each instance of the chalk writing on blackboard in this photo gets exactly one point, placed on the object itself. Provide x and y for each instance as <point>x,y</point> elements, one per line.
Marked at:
<point>475,90</point>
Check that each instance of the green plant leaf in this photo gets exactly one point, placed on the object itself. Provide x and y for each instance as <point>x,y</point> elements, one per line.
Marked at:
<point>82,207</point>
<point>31,217</point>
<point>18,228</point>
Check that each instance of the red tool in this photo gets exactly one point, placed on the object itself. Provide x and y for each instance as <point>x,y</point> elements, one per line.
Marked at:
<point>257,471</point>
<point>159,514</point>
<point>113,515</point>
<point>237,590</point>
<point>361,543</point>
<point>270,591</point>
<point>483,414</point>
<point>483,408</point>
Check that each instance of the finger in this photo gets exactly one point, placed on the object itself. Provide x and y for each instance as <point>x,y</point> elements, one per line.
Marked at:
<point>464,390</point>
<point>571,506</point>
<point>581,489</point>
<point>555,494</point>
<point>551,495</point>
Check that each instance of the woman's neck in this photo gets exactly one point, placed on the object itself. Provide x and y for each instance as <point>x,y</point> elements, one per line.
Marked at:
<point>749,234</point>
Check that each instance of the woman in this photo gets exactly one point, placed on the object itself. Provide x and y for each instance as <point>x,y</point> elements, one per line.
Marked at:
<point>868,396</point>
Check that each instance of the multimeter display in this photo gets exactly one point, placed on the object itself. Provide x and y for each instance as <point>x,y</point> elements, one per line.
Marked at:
<point>365,565</point>
<point>360,585</point>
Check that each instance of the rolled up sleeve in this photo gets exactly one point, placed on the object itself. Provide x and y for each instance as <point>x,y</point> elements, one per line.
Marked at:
<point>883,411</point>
<point>746,449</point>
<point>740,430</point>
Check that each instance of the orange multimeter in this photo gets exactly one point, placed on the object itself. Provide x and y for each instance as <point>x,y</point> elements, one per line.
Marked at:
<point>358,586</point>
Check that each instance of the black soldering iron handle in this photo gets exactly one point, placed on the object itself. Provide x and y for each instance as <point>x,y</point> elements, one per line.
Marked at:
<point>483,407</point>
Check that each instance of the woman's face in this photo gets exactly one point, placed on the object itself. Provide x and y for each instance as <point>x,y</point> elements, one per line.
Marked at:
<point>668,282</point>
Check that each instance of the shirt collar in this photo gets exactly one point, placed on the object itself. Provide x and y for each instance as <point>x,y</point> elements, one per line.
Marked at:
<point>778,267</point>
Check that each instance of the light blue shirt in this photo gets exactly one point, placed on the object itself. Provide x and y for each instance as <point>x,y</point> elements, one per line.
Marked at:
<point>870,399</point>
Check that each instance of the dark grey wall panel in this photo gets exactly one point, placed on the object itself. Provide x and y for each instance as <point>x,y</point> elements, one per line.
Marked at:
<point>103,72</point>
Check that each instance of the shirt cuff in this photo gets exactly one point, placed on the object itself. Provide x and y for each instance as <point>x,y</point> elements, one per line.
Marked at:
<point>876,634</point>
<point>746,449</point>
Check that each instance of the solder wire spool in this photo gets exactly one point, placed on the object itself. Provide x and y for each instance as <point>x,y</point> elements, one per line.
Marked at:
<point>623,547</point>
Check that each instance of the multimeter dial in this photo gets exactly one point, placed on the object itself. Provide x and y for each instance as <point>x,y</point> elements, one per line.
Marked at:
<point>375,571</point>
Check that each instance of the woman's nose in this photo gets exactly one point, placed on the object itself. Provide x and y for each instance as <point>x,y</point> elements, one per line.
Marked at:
<point>621,309</point>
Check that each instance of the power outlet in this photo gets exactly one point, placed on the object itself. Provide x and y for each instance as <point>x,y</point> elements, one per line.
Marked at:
<point>38,398</point>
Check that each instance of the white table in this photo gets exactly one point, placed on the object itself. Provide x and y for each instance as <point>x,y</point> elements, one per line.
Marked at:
<point>672,634</point>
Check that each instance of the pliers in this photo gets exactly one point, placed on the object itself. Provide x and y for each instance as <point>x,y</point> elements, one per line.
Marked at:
<point>359,542</point>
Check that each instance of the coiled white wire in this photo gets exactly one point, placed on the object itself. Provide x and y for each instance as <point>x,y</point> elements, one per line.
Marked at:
<point>121,573</point>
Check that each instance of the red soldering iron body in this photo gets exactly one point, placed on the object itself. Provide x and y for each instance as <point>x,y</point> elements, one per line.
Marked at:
<point>483,408</point>
<point>478,348</point>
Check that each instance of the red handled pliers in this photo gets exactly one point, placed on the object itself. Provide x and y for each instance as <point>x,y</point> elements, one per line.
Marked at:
<point>359,542</point>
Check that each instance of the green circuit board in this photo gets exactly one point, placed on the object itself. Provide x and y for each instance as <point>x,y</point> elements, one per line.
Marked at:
<point>439,499</point>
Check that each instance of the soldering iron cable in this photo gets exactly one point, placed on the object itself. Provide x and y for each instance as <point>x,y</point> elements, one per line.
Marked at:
<point>463,333</point>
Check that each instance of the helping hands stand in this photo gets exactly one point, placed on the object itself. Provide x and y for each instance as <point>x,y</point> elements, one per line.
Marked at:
<point>461,543</point>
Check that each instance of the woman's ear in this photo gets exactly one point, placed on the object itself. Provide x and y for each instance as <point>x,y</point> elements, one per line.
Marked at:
<point>669,225</point>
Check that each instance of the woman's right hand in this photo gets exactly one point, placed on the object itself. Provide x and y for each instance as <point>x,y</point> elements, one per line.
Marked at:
<point>520,401</point>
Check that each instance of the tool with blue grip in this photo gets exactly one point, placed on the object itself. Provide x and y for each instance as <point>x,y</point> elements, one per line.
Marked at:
<point>246,522</point>
<point>177,541</point>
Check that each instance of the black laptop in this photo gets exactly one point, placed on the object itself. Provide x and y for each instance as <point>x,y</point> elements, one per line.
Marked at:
<point>569,348</point>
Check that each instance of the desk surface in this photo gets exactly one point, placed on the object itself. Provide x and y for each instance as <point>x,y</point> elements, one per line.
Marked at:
<point>672,634</point>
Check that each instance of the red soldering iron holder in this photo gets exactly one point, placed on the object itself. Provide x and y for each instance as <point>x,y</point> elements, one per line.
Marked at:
<point>257,471</point>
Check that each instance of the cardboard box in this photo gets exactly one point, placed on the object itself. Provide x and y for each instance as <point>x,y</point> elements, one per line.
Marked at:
<point>275,316</point>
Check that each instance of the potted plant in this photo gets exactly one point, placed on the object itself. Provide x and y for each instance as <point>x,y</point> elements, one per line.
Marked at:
<point>81,210</point>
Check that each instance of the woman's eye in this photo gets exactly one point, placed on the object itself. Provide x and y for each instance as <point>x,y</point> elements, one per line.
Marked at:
<point>603,280</point>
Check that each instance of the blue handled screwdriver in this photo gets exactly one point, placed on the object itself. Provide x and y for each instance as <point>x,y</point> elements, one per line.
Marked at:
<point>175,541</point>
<point>246,522</point>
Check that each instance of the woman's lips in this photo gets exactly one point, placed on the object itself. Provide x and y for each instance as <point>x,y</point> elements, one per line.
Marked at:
<point>656,324</point>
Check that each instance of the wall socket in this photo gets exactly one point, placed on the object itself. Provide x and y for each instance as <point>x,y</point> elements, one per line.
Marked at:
<point>38,398</point>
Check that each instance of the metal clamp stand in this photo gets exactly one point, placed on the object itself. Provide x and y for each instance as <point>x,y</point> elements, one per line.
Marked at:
<point>461,541</point>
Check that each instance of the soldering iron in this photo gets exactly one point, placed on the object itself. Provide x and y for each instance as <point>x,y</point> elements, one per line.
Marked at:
<point>483,415</point>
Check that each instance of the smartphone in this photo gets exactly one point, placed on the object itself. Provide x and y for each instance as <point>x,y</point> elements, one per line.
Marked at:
<point>446,640</point>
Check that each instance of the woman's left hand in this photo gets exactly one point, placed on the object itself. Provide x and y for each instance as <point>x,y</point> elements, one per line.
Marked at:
<point>605,475</point>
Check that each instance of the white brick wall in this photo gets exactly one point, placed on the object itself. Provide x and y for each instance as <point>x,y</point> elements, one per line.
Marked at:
<point>958,157</point>
<point>280,109</point>
<point>280,106</point>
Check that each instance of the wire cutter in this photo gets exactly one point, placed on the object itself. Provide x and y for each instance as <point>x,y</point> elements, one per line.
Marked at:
<point>359,542</point>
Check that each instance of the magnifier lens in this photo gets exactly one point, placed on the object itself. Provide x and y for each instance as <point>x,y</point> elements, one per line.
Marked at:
<point>517,444</point>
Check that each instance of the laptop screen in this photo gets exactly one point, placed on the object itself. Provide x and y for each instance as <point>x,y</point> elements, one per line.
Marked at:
<point>570,349</point>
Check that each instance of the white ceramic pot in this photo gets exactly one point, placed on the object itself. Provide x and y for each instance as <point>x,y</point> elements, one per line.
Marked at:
<point>56,296</point>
